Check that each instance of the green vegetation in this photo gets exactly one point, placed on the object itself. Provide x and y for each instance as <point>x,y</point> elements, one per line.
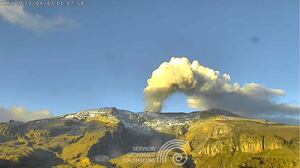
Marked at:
<point>212,142</point>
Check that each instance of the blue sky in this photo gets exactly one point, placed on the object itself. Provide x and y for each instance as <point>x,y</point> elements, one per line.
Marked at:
<point>108,54</point>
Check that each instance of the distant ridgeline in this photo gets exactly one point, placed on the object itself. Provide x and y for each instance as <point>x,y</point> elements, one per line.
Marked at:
<point>105,137</point>
<point>92,113</point>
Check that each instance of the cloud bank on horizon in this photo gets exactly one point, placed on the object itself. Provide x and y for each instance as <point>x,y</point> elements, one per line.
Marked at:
<point>207,88</point>
<point>22,114</point>
<point>17,15</point>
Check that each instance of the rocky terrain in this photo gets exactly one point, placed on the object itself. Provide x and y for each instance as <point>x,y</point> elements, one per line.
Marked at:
<point>105,137</point>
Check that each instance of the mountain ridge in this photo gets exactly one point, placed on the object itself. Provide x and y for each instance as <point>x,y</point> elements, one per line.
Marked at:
<point>103,137</point>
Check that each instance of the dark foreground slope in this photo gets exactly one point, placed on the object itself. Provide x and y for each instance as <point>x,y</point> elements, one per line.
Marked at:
<point>106,137</point>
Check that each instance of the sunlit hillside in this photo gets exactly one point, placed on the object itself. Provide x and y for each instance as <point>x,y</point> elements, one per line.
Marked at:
<point>106,137</point>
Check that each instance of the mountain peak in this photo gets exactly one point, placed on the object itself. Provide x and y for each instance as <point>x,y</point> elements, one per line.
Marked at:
<point>92,134</point>
<point>212,113</point>
<point>216,111</point>
<point>91,113</point>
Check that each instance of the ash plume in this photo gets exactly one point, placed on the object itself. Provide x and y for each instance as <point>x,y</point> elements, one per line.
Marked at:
<point>207,88</point>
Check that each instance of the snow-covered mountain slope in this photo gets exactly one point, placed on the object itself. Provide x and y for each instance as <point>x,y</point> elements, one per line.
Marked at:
<point>99,137</point>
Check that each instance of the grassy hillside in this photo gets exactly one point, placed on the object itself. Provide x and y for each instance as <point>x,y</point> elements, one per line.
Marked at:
<point>107,140</point>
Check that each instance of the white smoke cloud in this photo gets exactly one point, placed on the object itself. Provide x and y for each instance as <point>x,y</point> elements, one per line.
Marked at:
<point>17,15</point>
<point>207,88</point>
<point>22,114</point>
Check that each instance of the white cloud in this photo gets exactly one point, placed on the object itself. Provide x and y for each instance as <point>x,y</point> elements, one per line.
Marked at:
<point>17,15</point>
<point>207,88</point>
<point>22,114</point>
